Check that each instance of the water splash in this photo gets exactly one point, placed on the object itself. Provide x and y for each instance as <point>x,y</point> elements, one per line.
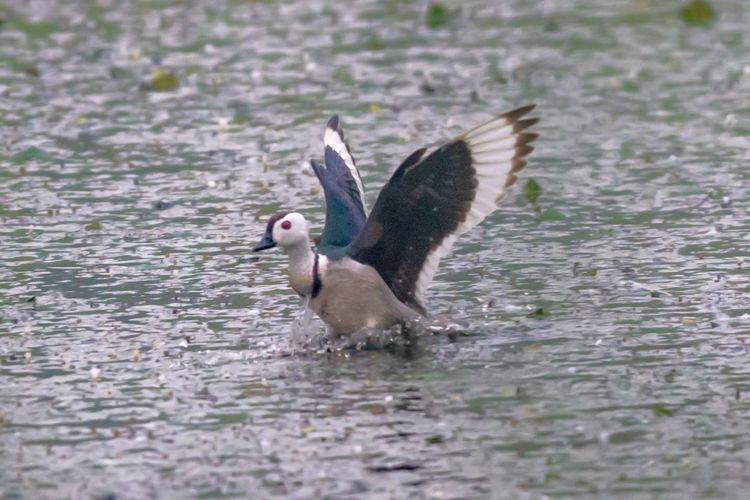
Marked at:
<point>301,329</point>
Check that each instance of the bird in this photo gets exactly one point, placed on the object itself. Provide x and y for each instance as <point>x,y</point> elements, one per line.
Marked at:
<point>371,271</point>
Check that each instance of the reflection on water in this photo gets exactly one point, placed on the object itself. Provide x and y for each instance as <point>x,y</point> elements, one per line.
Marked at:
<point>145,352</point>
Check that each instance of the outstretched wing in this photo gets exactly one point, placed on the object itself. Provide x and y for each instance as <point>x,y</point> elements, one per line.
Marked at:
<point>429,202</point>
<point>345,196</point>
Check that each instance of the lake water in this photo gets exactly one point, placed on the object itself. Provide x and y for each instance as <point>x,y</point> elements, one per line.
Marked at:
<point>145,352</point>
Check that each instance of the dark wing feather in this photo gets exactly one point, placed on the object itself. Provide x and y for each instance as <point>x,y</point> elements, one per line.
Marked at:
<point>344,194</point>
<point>429,202</point>
<point>344,217</point>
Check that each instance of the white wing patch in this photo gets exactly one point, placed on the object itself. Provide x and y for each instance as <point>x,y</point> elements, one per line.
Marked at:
<point>334,138</point>
<point>497,149</point>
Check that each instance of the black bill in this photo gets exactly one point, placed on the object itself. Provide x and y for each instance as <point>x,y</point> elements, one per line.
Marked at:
<point>266,243</point>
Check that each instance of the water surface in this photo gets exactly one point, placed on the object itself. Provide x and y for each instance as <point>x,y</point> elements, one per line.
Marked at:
<point>144,350</point>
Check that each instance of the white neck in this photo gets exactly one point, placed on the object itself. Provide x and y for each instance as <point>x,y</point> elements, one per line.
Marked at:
<point>301,261</point>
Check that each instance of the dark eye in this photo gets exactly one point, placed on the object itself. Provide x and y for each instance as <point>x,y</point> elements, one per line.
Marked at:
<point>286,225</point>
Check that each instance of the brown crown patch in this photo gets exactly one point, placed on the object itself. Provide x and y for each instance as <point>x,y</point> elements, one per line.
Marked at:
<point>275,218</point>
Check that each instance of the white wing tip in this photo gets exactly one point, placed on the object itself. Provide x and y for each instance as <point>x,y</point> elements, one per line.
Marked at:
<point>334,138</point>
<point>503,141</point>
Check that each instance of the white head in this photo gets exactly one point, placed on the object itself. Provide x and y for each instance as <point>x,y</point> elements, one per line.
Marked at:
<point>286,230</point>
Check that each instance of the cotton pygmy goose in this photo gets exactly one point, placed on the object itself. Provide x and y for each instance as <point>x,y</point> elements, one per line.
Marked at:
<point>373,271</point>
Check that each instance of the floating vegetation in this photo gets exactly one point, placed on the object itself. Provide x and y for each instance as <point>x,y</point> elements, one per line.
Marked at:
<point>436,16</point>
<point>539,313</point>
<point>33,29</point>
<point>163,81</point>
<point>551,214</point>
<point>698,13</point>
<point>662,411</point>
<point>28,154</point>
<point>373,42</point>
<point>531,191</point>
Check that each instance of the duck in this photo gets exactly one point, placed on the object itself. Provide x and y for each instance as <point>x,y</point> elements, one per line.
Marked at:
<point>371,271</point>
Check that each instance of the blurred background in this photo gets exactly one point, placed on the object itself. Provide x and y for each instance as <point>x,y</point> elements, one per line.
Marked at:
<point>144,351</point>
